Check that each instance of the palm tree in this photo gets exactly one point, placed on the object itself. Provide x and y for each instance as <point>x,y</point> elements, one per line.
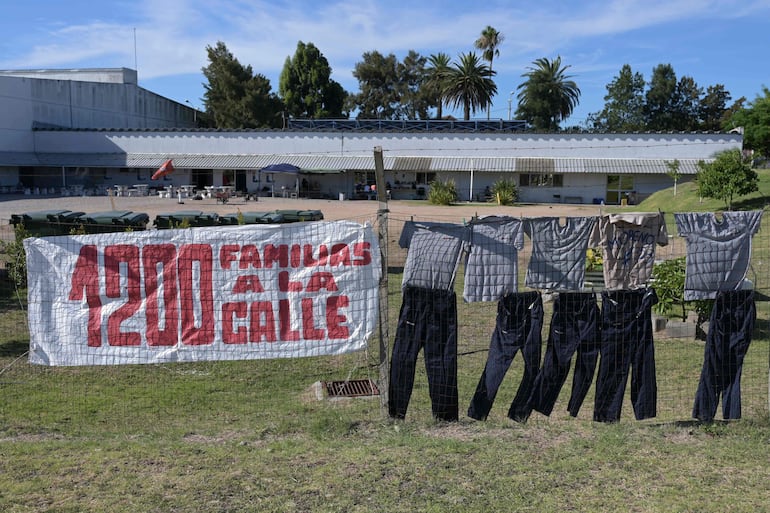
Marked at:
<point>469,84</point>
<point>548,96</point>
<point>437,78</point>
<point>488,43</point>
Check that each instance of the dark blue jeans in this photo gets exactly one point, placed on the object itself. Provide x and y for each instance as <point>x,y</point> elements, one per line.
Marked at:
<point>427,320</point>
<point>574,325</point>
<point>626,345</point>
<point>517,327</point>
<point>730,328</point>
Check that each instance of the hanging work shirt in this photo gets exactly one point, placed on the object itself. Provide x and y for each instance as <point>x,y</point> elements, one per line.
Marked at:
<point>433,258</point>
<point>558,252</point>
<point>492,267</point>
<point>628,242</point>
<point>410,227</point>
<point>718,252</point>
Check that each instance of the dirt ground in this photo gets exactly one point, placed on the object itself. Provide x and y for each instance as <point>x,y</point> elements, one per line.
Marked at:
<point>332,209</point>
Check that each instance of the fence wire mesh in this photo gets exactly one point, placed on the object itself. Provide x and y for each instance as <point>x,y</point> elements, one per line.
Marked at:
<point>158,397</point>
<point>658,382</point>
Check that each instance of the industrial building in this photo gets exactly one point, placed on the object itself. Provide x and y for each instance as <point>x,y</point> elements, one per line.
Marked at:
<point>89,131</point>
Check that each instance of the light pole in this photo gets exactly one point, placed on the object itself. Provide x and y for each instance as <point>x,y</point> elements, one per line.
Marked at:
<point>195,112</point>
<point>510,101</point>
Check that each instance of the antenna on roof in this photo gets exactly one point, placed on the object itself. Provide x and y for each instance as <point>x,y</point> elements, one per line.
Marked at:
<point>136,65</point>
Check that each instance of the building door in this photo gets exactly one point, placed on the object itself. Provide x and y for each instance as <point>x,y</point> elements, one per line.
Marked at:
<point>240,181</point>
<point>618,187</point>
<point>202,178</point>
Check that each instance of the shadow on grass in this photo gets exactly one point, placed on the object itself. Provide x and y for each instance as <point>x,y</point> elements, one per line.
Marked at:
<point>696,423</point>
<point>751,203</point>
<point>14,348</point>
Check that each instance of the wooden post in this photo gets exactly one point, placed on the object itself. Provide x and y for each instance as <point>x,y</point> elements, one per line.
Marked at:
<point>382,224</point>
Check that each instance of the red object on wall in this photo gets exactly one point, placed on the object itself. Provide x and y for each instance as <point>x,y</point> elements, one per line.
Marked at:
<point>166,169</point>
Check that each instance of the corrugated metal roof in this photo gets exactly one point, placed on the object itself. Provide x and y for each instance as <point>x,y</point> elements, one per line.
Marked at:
<point>408,163</point>
<point>560,165</point>
<point>18,158</point>
<point>537,165</point>
<point>332,163</point>
<point>207,161</point>
<point>500,164</point>
<point>636,166</point>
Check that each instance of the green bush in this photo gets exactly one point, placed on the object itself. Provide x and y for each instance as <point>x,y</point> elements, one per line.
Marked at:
<point>594,259</point>
<point>669,277</point>
<point>442,192</point>
<point>505,192</point>
<point>669,286</point>
<point>15,257</point>
<point>183,224</point>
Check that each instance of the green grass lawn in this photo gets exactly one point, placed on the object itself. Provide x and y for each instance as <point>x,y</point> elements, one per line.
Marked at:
<point>686,198</point>
<point>252,436</point>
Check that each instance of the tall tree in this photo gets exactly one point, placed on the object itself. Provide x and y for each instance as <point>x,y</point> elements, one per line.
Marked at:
<point>727,118</point>
<point>306,86</point>
<point>378,96</point>
<point>548,96</point>
<point>728,176</point>
<point>415,99</point>
<point>234,97</point>
<point>660,97</point>
<point>470,85</point>
<point>755,120</point>
<point>489,43</point>
<point>436,79</point>
<point>389,89</point>
<point>713,107</point>
<point>686,105</point>
<point>624,103</point>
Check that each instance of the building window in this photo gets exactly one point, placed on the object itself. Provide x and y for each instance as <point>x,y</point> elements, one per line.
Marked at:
<point>426,178</point>
<point>541,180</point>
<point>364,178</point>
<point>618,187</point>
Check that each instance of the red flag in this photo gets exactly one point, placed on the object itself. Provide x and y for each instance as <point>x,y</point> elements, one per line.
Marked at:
<point>166,169</point>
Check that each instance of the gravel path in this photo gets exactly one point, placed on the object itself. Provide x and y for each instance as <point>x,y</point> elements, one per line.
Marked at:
<point>332,209</point>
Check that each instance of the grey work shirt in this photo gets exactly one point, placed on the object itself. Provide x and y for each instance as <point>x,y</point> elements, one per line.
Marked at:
<point>492,267</point>
<point>433,258</point>
<point>558,252</point>
<point>410,227</point>
<point>718,252</point>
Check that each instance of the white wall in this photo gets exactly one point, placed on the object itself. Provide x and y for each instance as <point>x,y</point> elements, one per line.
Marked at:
<point>657,146</point>
<point>27,102</point>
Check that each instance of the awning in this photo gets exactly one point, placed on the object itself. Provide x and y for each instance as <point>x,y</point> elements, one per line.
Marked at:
<point>556,165</point>
<point>200,161</point>
<point>321,171</point>
<point>283,167</point>
<point>18,158</point>
<point>326,164</point>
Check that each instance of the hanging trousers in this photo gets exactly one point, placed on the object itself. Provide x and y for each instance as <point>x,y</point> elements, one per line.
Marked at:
<point>517,327</point>
<point>574,325</point>
<point>626,345</point>
<point>585,368</point>
<point>730,329</point>
<point>427,320</point>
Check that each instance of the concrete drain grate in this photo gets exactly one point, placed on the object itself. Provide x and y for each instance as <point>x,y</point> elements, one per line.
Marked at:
<point>351,388</point>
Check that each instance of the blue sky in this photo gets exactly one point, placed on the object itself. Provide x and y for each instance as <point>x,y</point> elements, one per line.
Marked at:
<point>714,41</point>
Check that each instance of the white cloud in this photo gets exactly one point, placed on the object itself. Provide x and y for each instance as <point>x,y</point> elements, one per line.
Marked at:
<point>596,37</point>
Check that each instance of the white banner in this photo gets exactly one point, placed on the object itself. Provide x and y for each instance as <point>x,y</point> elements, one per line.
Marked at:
<point>220,293</point>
